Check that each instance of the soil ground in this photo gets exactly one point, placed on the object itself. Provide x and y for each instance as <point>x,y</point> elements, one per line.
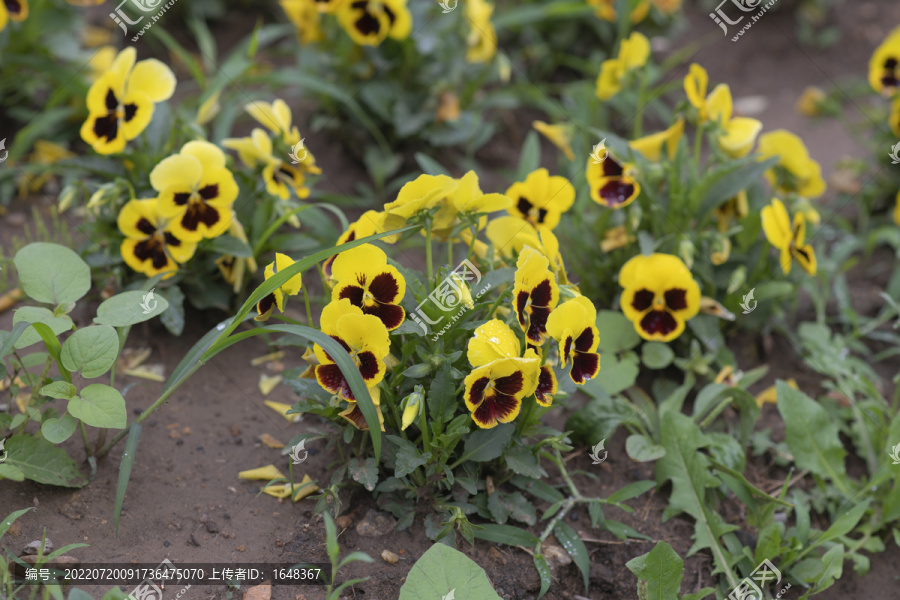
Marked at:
<point>185,502</point>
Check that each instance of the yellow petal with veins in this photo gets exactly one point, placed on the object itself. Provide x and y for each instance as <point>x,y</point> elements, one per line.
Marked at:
<point>266,473</point>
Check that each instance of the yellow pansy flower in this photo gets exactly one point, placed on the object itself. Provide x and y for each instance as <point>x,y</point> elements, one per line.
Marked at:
<point>651,146</point>
<point>275,299</point>
<point>535,294</point>
<point>737,134</point>
<point>196,191</point>
<point>366,280</point>
<point>795,170</point>
<point>573,325</point>
<point>120,102</point>
<point>541,199</point>
<point>149,246</point>
<point>791,241</point>
<point>659,295</point>
<point>482,40</point>
<point>370,22</point>
<point>633,54</point>
<point>884,66</point>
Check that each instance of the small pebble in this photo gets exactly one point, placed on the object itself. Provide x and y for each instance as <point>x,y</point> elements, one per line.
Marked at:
<point>389,557</point>
<point>166,544</point>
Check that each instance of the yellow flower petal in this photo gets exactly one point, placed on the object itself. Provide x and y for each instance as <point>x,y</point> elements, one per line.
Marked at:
<point>282,409</point>
<point>266,473</point>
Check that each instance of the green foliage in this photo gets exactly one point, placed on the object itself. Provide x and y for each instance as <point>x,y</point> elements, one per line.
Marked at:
<point>443,572</point>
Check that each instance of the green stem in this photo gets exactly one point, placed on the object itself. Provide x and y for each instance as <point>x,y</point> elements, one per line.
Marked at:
<point>428,254</point>
<point>84,439</point>
<point>698,145</point>
<point>309,319</point>
<point>642,93</point>
<point>423,425</point>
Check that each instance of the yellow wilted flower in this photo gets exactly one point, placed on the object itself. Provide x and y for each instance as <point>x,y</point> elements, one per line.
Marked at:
<point>266,473</point>
<point>810,101</point>
<point>769,395</point>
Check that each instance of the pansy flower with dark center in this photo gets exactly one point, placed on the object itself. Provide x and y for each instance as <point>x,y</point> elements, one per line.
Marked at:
<point>196,191</point>
<point>17,10</point>
<point>502,378</point>
<point>572,325</point>
<point>365,279</point>
<point>120,102</point>
<point>363,336</point>
<point>281,175</point>
<point>291,287</point>
<point>369,22</point>
<point>541,199</point>
<point>612,183</point>
<point>660,295</point>
<point>884,66</point>
<point>791,241</point>
<point>535,294</point>
<point>149,246</point>
<point>365,226</point>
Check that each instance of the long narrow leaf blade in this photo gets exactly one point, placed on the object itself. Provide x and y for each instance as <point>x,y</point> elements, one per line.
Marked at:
<point>134,434</point>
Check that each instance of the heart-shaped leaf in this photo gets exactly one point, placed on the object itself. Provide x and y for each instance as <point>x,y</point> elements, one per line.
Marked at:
<point>100,406</point>
<point>129,308</point>
<point>443,573</point>
<point>92,350</point>
<point>52,274</point>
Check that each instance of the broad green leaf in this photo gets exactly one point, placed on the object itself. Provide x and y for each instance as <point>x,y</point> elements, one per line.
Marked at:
<point>429,166</point>
<point>657,355</point>
<point>521,460</point>
<point>616,332</point>
<point>408,457</point>
<point>100,406</point>
<point>487,444</point>
<point>39,314</point>
<point>812,436</point>
<point>173,318</point>
<point>364,471</point>
<point>659,573</point>
<point>506,534</point>
<point>43,462</point>
<point>230,245</point>
<point>573,544</point>
<point>92,350</point>
<point>600,418</point>
<point>688,469</point>
<point>530,157</point>
<point>844,524</point>
<point>615,375</point>
<point>61,390</point>
<point>130,308</point>
<point>134,434</point>
<point>642,449</point>
<point>10,472</point>
<point>52,274</point>
<point>443,572</point>
<point>833,561</point>
<point>56,431</point>
<point>441,399</point>
<point>726,182</point>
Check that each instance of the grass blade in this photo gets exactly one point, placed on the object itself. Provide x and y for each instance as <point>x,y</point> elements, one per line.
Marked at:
<point>134,434</point>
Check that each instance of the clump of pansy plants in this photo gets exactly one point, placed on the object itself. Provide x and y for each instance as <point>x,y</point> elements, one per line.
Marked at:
<point>709,217</point>
<point>461,360</point>
<point>172,205</point>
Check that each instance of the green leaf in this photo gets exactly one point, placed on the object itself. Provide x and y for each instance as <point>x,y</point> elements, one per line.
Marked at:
<point>642,449</point>
<point>573,544</point>
<point>812,436</point>
<point>127,308</point>
<point>688,469</point>
<point>530,158</point>
<point>659,573</point>
<point>100,406</point>
<point>521,460</point>
<point>43,462</point>
<point>230,245</point>
<point>331,543</point>
<point>429,166</point>
<point>443,572</point>
<point>844,524</point>
<point>834,568</point>
<point>725,182</point>
<point>699,595</point>
<point>8,339</point>
<point>615,375</point>
<point>364,471</point>
<point>543,569</point>
<point>39,314</point>
<point>56,431</point>
<point>657,355</point>
<point>134,435</point>
<point>506,534</point>
<point>61,390</point>
<point>6,523</point>
<point>408,457</point>
<point>52,274</point>
<point>92,350</point>
<point>10,472</point>
<point>617,332</point>
<point>441,400</point>
<point>487,444</point>
<point>173,318</point>
<point>632,490</point>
